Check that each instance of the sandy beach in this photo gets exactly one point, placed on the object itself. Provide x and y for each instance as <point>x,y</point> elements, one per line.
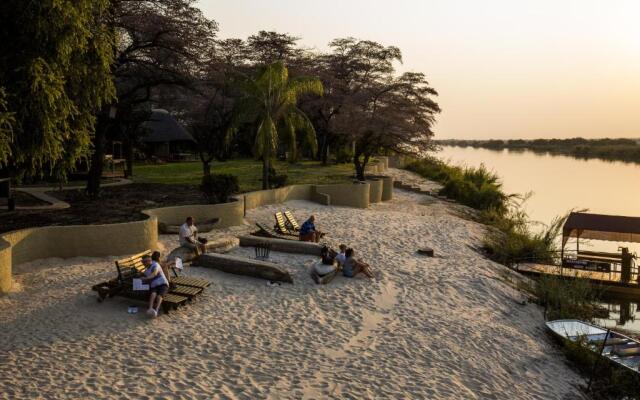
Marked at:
<point>447,327</point>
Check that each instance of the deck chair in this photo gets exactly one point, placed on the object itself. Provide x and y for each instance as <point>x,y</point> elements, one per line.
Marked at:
<point>265,231</point>
<point>281,226</point>
<point>291,221</point>
<point>129,267</point>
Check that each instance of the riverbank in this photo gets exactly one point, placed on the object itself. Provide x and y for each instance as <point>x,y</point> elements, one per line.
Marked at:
<point>442,328</point>
<point>626,150</point>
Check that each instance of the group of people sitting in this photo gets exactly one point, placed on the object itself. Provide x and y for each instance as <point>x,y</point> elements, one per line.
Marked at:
<point>345,261</point>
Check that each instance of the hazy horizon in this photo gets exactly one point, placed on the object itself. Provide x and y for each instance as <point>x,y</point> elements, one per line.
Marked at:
<point>504,70</point>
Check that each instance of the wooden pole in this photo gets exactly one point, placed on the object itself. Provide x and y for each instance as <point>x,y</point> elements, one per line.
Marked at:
<point>595,364</point>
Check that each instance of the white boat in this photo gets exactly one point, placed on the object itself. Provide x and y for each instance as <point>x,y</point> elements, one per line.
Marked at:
<point>618,349</point>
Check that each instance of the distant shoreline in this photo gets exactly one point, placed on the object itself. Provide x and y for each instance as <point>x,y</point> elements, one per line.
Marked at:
<point>625,150</point>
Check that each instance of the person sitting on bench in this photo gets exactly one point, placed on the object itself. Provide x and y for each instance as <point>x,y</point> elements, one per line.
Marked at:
<point>158,283</point>
<point>308,232</point>
<point>353,267</point>
<point>189,237</point>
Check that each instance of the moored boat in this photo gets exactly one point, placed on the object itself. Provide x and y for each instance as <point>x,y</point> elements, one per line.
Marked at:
<point>618,349</point>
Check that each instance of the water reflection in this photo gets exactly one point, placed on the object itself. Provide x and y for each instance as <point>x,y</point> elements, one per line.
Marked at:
<point>620,313</point>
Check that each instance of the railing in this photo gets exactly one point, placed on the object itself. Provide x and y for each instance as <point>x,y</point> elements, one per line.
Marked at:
<point>582,261</point>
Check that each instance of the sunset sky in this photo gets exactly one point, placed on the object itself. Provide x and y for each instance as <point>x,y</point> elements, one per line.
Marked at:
<point>504,69</point>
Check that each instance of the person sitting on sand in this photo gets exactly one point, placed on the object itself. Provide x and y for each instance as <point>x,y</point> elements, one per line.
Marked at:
<point>326,265</point>
<point>308,232</point>
<point>341,257</point>
<point>353,267</point>
<point>189,237</point>
<point>158,283</point>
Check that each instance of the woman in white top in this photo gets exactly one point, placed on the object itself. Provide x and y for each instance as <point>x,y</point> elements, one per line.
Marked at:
<point>158,282</point>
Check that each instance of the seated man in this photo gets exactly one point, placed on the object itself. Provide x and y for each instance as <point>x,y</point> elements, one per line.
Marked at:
<point>158,283</point>
<point>308,232</point>
<point>189,237</point>
<point>353,267</point>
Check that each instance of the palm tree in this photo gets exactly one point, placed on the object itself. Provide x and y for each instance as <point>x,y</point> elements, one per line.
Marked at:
<point>271,100</point>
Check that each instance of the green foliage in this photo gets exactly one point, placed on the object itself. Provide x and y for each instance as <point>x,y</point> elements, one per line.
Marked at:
<point>6,128</point>
<point>217,188</point>
<point>513,241</point>
<point>477,188</point>
<point>566,298</point>
<point>271,100</point>
<point>248,172</point>
<point>55,67</point>
<point>277,180</point>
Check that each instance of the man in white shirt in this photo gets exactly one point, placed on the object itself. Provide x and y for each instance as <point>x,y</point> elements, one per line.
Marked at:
<point>189,236</point>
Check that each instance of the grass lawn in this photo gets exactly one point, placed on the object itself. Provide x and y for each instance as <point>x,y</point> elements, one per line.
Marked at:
<point>249,172</point>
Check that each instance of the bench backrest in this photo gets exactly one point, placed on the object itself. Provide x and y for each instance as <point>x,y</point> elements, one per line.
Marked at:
<point>131,266</point>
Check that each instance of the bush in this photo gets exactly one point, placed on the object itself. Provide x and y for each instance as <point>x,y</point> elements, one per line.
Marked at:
<point>275,180</point>
<point>566,298</point>
<point>477,188</point>
<point>217,188</point>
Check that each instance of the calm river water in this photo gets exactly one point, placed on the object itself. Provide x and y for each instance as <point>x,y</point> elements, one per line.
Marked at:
<point>559,184</point>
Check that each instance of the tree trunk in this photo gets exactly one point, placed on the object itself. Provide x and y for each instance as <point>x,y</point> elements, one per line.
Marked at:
<point>324,149</point>
<point>359,167</point>
<point>206,168</point>
<point>97,159</point>
<point>128,154</point>
<point>265,173</point>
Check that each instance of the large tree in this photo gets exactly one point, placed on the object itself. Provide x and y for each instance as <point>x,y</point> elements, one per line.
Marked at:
<point>210,112</point>
<point>370,106</point>
<point>395,116</point>
<point>271,101</point>
<point>160,43</point>
<point>55,63</point>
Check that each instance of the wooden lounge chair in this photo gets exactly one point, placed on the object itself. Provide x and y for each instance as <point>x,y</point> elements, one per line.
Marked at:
<point>182,289</point>
<point>264,231</point>
<point>135,262</point>
<point>281,226</point>
<point>291,221</point>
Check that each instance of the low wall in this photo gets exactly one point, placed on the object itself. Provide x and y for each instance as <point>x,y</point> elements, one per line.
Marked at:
<point>348,194</point>
<point>375,190</point>
<point>274,196</point>
<point>30,244</point>
<point>387,188</point>
<point>230,214</point>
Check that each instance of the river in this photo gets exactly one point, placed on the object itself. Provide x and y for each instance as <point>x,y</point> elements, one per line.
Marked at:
<point>559,184</point>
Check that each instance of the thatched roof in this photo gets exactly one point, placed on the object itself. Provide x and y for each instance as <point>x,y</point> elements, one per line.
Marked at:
<point>163,128</point>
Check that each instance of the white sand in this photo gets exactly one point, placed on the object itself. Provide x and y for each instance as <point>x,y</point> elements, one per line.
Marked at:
<point>437,328</point>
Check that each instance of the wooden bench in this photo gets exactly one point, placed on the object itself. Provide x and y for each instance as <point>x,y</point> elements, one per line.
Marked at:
<point>181,289</point>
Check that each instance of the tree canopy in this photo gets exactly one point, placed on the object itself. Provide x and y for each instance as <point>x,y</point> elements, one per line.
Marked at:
<point>55,63</point>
